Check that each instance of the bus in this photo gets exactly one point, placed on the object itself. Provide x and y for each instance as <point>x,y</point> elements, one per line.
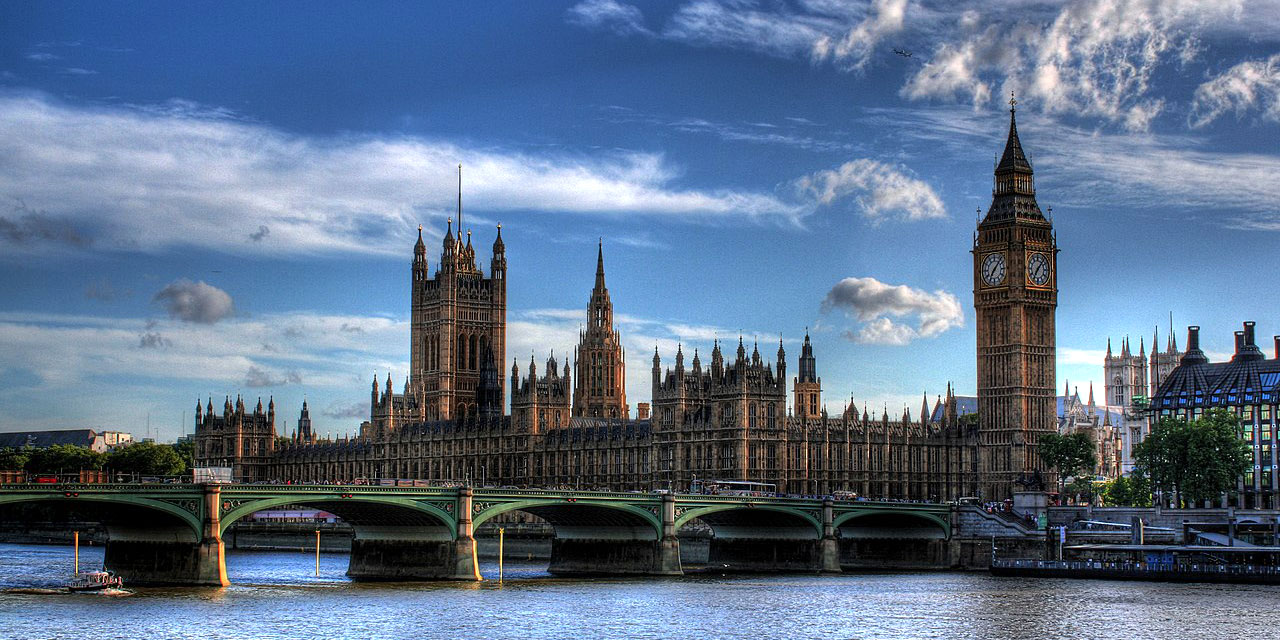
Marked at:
<point>734,488</point>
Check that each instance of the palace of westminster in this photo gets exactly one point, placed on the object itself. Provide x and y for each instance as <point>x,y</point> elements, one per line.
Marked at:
<point>725,418</point>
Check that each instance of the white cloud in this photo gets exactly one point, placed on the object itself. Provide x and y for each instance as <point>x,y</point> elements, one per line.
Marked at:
<point>776,31</point>
<point>875,303</point>
<point>1093,57</point>
<point>1121,170</point>
<point>618,17</point>
<point>855,48</point>
<point>68,350</point>
<point>195,301</point>
<point>152,178</point>
<point>881,191</point>
<point>1253,84</point>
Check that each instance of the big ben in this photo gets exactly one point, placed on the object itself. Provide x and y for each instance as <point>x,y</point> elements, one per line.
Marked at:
<point>1015,295</point>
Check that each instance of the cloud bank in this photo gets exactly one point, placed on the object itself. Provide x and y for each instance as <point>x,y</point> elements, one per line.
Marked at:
<point>149,178</point>
<point>877,304</point>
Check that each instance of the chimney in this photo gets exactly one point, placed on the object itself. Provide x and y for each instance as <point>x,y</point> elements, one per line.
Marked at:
<point>1193,354</point>
<point>1277,339</point>
<point>1239,345</point>
<point>1249,350</point>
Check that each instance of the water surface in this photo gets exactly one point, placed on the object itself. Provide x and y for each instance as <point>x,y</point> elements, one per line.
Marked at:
<point>277,595</point>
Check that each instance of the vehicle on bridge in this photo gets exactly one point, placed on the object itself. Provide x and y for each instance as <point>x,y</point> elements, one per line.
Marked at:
<point>733,488</point>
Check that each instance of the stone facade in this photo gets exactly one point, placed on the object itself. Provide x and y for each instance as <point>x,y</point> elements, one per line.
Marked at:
<point>459,328</point>
<point>241,439</point>
<point>600,358</point>
<point>1015,257</point>
<point>725,420</point>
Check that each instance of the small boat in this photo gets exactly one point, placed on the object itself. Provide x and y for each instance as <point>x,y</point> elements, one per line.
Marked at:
<point>94,581</point>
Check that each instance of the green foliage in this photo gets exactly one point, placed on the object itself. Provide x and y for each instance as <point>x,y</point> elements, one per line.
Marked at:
<point>1082,489</point>
<point>969,420</point>
<point>1127,491</point>
<point>1070,454</point>
<point>1195,461</point>
<point>148,459</point>
<point>187,451</point>
<point>13,459</point>
<point>64,458</point>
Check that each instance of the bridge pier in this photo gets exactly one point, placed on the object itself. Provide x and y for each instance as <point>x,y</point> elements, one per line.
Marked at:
<point>169,555</point>
<point>748,541</point>
<point>618,550</point>
<point>415,552</point>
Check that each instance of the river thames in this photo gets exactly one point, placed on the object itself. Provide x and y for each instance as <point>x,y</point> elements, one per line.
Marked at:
<point>277,595</point>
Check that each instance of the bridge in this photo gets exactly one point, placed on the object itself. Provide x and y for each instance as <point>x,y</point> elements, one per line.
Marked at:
<point>172,533</point>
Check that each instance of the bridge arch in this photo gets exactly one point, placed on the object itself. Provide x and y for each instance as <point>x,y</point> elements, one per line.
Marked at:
<point>893,523</point>
<point>566,514</point>
<point>181,511</point>
<point>361,511</point>
<point>751,514</point>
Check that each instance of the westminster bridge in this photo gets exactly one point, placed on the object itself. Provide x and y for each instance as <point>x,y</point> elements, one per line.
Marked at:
<point>172,533</point>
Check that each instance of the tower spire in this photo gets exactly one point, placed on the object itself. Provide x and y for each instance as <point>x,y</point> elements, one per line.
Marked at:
<point>600,265</point>
<point>1014,192</point>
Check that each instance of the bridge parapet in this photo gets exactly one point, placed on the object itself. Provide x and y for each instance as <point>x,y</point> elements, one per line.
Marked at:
<point>426,532</point>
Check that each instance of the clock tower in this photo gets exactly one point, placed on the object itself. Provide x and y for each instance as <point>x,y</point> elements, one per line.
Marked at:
<point>1015,294</point>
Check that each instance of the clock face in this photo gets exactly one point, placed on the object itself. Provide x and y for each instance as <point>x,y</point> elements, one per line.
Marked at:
<point>993,269</point>
<point>1038,268</point>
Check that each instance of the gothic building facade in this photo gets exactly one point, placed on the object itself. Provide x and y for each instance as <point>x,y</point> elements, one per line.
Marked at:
<point>1015,284</point>
<point>600,358</point>
<point>727,419</point>
<point>1128,377</point>
<point>458,328</point>
<point>238,438</point>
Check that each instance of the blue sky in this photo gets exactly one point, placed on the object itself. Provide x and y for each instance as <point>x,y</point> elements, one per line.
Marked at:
<point>208,199</point>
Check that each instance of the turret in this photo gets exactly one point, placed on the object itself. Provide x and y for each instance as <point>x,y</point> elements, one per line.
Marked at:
<point>419,259</point>
<point>498,265</point>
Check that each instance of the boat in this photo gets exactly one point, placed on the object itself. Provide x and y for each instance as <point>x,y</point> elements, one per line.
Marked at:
<point>94,581</point>
<point>103,582</point>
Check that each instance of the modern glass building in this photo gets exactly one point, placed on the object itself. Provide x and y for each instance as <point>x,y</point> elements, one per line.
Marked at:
<point>1248,385</point>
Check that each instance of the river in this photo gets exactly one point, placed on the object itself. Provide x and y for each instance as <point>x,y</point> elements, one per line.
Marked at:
<point>278,595</point>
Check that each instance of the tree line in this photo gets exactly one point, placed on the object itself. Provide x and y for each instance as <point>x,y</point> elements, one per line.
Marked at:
<point>142,458</point>
<point>1183,462</point>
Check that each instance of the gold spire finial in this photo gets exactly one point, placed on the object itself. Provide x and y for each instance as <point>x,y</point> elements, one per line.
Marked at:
<point>1013,102</point>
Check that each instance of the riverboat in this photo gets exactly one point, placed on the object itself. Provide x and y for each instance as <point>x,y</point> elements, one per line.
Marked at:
<point>94,581</point>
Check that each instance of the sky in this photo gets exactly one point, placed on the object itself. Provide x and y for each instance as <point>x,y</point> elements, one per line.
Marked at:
<point>202,200</point>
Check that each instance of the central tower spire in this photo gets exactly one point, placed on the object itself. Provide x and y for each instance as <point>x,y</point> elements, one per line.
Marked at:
<point>601,373</point>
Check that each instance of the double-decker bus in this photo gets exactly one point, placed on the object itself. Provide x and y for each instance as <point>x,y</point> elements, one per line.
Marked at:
<point>734,488</point>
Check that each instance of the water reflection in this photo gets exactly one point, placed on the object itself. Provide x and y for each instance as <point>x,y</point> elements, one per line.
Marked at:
<point>278,595</point>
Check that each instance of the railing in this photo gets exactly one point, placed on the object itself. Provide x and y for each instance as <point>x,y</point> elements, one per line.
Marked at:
<point>1140,567</point>
<point>303,489</point>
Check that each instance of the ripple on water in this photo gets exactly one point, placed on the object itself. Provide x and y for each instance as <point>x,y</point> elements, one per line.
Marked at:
<point>278,595</point>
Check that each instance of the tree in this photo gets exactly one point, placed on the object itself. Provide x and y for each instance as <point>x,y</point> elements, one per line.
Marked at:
<point>187,451</point>
<point>1127,491</point>
<point>1070,454</point>
<point>64,458</point>
<point>1195,461</point>
<point>12,459</point>
<point>148,459</point>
